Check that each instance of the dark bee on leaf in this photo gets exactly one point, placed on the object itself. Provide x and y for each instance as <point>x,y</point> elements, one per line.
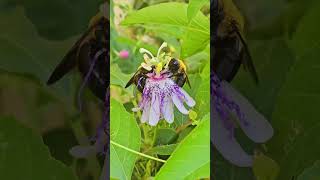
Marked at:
<point>162,65</point>
<point>228,47</point>
<point>90,55</point>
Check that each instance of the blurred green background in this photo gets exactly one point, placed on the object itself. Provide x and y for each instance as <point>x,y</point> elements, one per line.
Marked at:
<point>283,38</point>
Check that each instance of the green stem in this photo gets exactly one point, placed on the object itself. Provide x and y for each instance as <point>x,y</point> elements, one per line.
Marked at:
<point>136,152</point>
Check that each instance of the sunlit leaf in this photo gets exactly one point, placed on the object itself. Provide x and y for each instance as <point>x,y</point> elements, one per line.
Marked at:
<point>182,163</point>
<point>124,131</point>
<point>196,32</point>
<point>194,7</point>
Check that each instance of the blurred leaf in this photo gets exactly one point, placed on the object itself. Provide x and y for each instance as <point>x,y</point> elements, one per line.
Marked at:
<point>272,59</point>
<point>259,13</point>
<point>60,149</point>
<point>194,7</point>
<point>296,118</point>
<point>59,19</point>
<point>202,95</point>
<point>196,62</point>
<point>196,33</point>
<point>24,156</point>
<point>265,168</point>
<point>312,172</point>
<point>25,52</point>
<point>182,163</point>
<point>124,131</point>
<point>163,150</point>
<point>284,24</point>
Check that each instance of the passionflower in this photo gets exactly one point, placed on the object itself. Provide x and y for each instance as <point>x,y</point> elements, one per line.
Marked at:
<point>161,93</point>
<point>229,110</point>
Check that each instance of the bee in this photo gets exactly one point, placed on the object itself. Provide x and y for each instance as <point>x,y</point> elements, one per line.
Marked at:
<point>179,72</point>
<point>229,48</point>
<point>90,55</point>
<point>175,67</point>
<point>139,78</point>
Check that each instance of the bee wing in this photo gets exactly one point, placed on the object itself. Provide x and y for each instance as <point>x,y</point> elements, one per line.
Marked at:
<point>66,65</point>
<point>247,60</point>
<point>188,81</point>
<point>132,79</point>
<point>68,62</point>
<point>258,128</point>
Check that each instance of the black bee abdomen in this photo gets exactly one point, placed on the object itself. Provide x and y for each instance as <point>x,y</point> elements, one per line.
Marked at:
<point>94,59</point>
<point>227,58</point>
<point>180,79</point>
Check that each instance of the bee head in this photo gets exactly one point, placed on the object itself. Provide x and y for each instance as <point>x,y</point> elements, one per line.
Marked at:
<point>173,65</point>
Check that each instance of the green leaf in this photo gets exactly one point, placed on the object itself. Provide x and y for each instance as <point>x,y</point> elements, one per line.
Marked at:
<point>200,173</point>
<point>296,115</point>
<point>163,150</point>
<point>265,168</point>
<point>196,32</point>
<point>117,77</point>
<point>124,130</point>
<point>165,136</point>
<point>24,156</point>
<point>25,52</point>
<point>272,58</point>
<point>203,95</point>
<point>182,163</point>
<point>194,7</point>
<point>312,172</point>
<point>70,19</point>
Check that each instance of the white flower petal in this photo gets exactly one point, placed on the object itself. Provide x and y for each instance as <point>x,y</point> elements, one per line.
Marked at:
<point>168,110</point>
<point>145,113</point>
<point>179,104</point>
<point>154,115</point>
<point>226,145</point>
<point>188,99</point>
<point>258,128</point>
